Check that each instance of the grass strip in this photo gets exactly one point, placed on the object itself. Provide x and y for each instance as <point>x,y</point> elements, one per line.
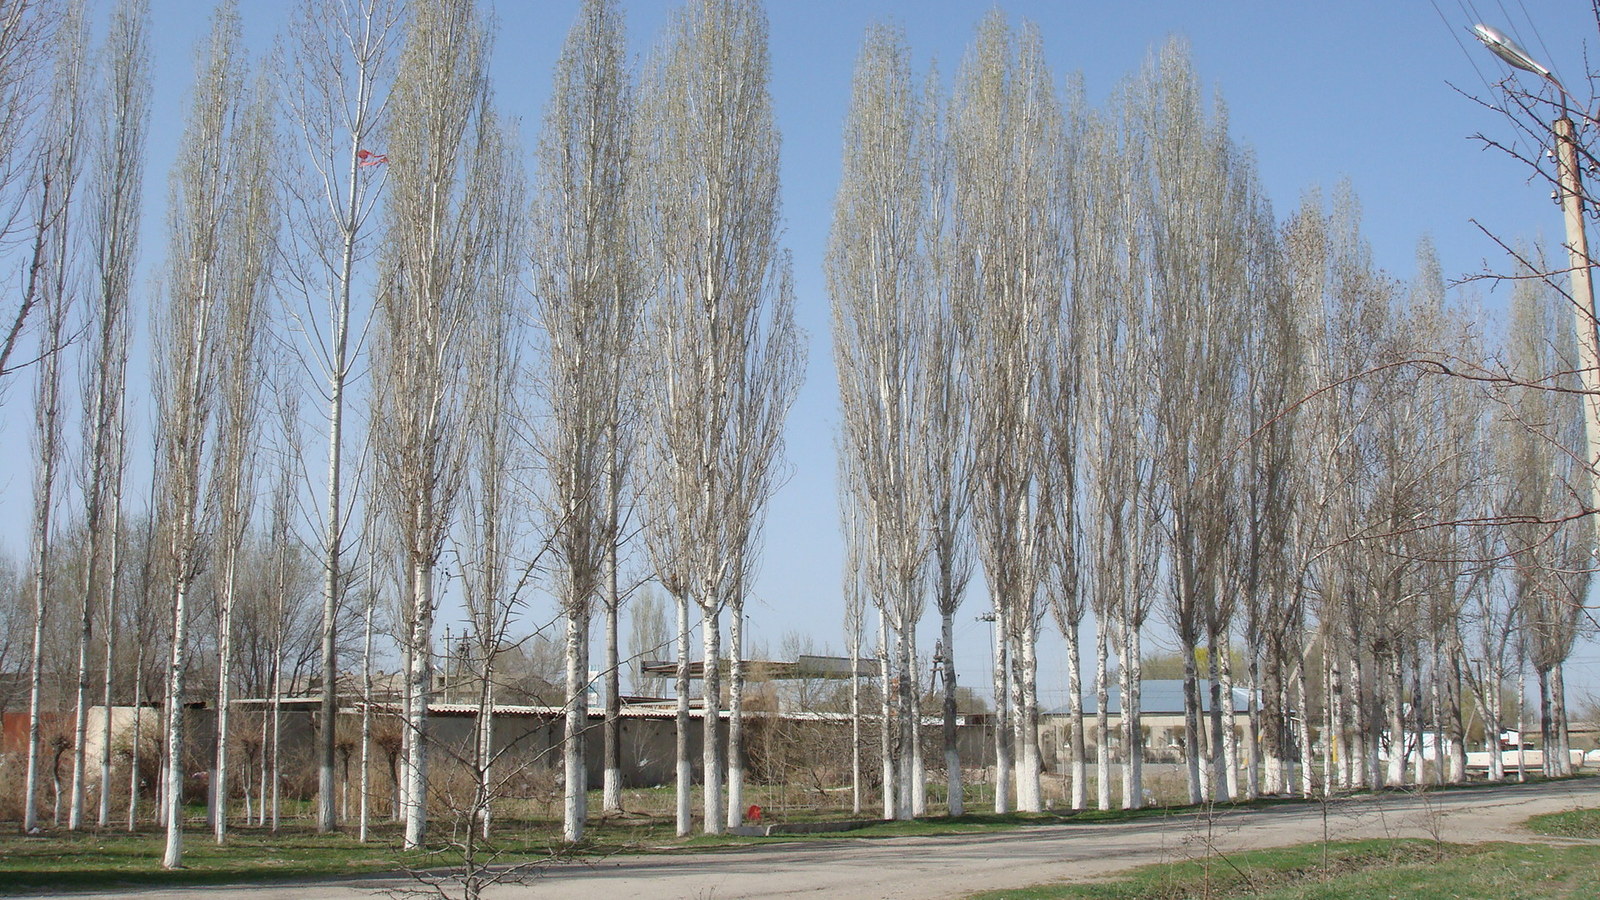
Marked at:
<point>1352,870</point>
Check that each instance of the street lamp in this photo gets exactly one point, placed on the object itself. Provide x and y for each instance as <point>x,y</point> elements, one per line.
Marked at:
<point>1569,189</point>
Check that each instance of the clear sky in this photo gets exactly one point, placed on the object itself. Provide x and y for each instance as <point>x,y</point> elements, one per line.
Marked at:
<point>1356,89</point>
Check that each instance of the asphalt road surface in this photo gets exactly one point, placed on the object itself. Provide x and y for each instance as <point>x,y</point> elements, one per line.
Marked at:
<point>955,866</point>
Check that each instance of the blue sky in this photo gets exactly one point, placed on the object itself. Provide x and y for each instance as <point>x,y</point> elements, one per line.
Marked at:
<point>1320,91</point>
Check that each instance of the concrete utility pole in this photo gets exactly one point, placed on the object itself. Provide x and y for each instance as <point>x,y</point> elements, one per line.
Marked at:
<point>1571,195</point>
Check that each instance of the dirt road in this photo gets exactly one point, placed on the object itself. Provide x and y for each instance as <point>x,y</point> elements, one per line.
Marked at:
<point>955,866</point>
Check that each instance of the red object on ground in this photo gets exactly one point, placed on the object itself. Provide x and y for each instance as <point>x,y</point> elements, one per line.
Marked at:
<point>753,813</point>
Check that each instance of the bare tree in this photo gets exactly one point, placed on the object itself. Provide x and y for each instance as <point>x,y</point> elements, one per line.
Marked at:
<point>1198,193</point>
<point>588,299</point>
<point>648,639</point>
<point>877,278</point>
<point>341,55</point>
<point>1552,562</point>
<point>251,248</point>
<point>943,431</point>
<point>1008,194</point>
<point>197,282</point>
<point>438,221</point>
<point>54,281</point>
<point>116,189</point>
<point>855,609</point>
<point>492,525</point>
<point>726,354</point>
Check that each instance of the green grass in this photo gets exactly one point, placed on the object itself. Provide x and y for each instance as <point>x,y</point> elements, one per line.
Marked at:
<point>1354,870</point>
<point>115,858</point>
<point>1578,823</point>
<point>109,860</point>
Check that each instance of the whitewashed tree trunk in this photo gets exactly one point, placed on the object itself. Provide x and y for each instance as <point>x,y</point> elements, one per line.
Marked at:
<point>1230,724</point>
<point>685,776</point>
<point>366,695</point>
<point>1002,715</point>
<point>1102,721</point>
<point>1132,664</point>
<point>891,777</point>
<point>419,681</point>
<point>735,715</point>
<point>575,774</point>
<point>954,801</point>
<point>1079,764</point>
<point>711,760</point>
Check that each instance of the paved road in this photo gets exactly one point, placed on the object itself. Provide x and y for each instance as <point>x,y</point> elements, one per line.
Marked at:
<point>954,866</point>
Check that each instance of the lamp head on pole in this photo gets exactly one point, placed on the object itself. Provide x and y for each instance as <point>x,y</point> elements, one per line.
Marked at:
<point>1508,50</point>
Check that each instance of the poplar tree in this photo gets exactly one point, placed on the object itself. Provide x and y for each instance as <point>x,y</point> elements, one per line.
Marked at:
<point>339,62</point>
<point>115,199</point>
<point>1008,198</point>
<point>726,356</point>
<point>588,296</point>
<point>52,281</point>
<point>251,250</point>
<point>881,307</point>
<point>202,228</point>
<point>438,225</point>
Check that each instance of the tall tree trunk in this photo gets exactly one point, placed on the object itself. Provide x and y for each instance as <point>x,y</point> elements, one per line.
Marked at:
<point>685,765</point>
<point>711,755</point>
<point>1546,724</point>
<point>1395,689</point>
<point>219,781</point>
<point>1075,731</point>
<point>1252,728</point>
<point>952,754</point>
<point>276,767</point>
<point>420,683</point>
<point>1132,715</point>
<point>919,775</point>
<point>1191,721</point>
<point>736,714</point>
<point>138,737</point>
<point>366,707</point>
<point>1559,733</point>
<point>1457,744</point>
<point>172,856</point>
<point>1522,718</point>
<point>905,711</point>
<point>47,445</point>
<point>855,722</point>
<point>1419,721</point>
<point>112,587</point>
<point>575,774</point>
<point>1002,717</point>
<point>611,796</point>
<point>485,748</point>
<point>1436,689</point>
<point>80,724</point>
<point>886,745</point>
<point>1102,731</point>
<point>1230,733</point>
<point>1302,699</point>
<point>1336,746</point>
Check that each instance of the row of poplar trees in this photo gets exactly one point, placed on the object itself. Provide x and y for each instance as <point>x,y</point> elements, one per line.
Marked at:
<point>539,365</point>
<point>1075,346</point>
